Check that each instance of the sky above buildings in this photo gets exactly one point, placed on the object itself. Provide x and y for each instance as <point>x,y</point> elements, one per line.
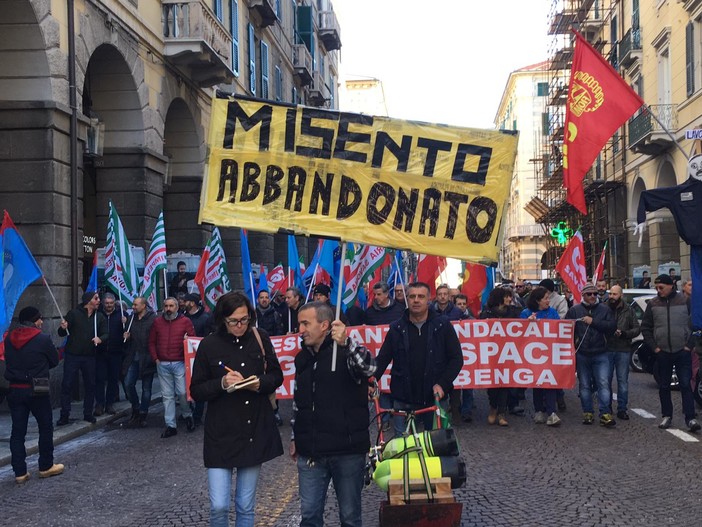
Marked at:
<point>444,61</point>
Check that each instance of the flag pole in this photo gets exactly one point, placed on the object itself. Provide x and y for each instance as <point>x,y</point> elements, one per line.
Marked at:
<point>668,132</point>
<point>165,285</point>
<point>129,326</point>
<point>338,299</point>
<point>54,299</point>
<point>312,282</point>
<point>290,280</point>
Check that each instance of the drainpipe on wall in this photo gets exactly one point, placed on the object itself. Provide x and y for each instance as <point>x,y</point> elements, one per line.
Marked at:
<point>73,100</point>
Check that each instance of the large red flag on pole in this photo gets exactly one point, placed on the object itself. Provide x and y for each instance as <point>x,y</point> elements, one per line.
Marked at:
<point>599,102</point>
<point>571,266</point>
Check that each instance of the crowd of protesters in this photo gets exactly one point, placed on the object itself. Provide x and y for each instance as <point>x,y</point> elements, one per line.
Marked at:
<point>236,373</point>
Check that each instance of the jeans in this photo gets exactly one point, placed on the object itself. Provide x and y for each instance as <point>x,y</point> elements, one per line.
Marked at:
<point>594,368</point>
<point>72,364</point>
<point>347,474</point>
<point>220,485</point>
<point>146,383</point>
<point>171,376</point>
<point>467,402</point>
<point>545,400</point>
<point>682,360</point>
<point>22,403</point>
<point>107,368</point>
<point>619,363</point>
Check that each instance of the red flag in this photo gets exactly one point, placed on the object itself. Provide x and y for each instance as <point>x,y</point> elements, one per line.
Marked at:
<point>599,272</point>
<point>276,280</point>
<point>475,281</point>
<point>428,270</point>
<point>571,266</point>
<point>599,102</point>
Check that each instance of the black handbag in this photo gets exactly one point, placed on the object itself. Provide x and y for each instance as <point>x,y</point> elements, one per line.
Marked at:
<point>40,386</point>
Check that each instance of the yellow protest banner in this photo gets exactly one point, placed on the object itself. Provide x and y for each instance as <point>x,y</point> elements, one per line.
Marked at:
<point>429,188</point>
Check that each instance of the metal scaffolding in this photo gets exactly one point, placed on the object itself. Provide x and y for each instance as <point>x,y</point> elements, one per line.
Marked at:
<point>604,184</point>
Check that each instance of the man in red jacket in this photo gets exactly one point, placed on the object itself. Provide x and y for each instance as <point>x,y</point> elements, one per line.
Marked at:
<point>166,349</point>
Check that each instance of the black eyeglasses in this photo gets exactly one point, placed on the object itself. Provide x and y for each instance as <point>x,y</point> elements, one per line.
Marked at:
<point>589,294</point>
<point>231,322</point>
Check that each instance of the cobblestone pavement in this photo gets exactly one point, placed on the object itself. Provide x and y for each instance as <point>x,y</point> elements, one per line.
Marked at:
<point>522,475</point>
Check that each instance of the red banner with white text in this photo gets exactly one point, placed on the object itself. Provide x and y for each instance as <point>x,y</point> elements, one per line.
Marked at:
<point>496,354</point>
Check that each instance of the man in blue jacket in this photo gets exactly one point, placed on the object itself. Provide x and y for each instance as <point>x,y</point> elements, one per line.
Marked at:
<point>594,322</point>
<point>425,354</point>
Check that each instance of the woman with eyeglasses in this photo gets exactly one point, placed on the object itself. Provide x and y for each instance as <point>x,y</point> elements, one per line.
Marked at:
<point>240,428</point>
<point>538,308</point>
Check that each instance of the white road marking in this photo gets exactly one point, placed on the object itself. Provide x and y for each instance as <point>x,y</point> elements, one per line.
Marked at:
<point>643,413</point>
<point>683,435</point>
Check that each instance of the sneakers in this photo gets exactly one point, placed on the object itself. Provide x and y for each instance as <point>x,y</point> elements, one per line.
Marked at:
<point>501,421</point>
<point>607,420</point>
<point>90,419</point>
<point>553,420</point>
<point>110,410</point>
<point>142,419</point>
<point>517,410</point>
<point>623,415</point>
<point>63,420</point>
<point>540,418</point>
<point>169,432</point>
<point>467,418</point>
<point>492,416</point>
<point>588,418</point>
<point>665,423</point>
<point>99,410</point>
<point>55,470</point>
<point>189,423</point>
<point>693,425</point>
<point>560,402</point>
<point>22,479</point>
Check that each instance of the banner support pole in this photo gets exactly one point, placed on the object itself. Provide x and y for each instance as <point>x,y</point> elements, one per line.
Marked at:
<point>338,299</point>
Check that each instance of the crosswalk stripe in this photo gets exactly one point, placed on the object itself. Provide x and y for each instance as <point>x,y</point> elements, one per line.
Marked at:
<point>683,435</point>
<point>643,413</point>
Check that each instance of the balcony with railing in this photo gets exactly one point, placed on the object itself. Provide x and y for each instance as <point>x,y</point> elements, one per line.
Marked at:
<point>266,11</point>
<point>525,231</point>
<point>646,135</point>
<point>630,47</point>
<point>302,64</point>
<point>329,32</point>
<point>318,93</point>
<point>196,41</point>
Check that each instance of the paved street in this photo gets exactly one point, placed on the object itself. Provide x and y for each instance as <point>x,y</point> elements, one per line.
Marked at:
<point>524,475</point>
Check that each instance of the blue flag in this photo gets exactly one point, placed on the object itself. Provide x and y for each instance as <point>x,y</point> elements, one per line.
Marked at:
<point>262,281</point>
<point>294,265</point>
<point>246,271</point>
<point>395,276</point>
<point>93,281</point>
<point>19,270</point>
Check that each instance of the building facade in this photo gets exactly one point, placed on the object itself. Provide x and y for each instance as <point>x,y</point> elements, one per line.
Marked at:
<point>109,100</point>
<point>656,47</point>
<point>522,108</point>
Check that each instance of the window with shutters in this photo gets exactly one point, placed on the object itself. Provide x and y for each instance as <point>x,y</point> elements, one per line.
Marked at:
<point>234,30</point>
<point>690,58</point>
<point>252,59</point>
<point>278,84</point>
<point>218,11</point>
<point>542,89</point>
<point>264,70</point>
<point>279,9</point>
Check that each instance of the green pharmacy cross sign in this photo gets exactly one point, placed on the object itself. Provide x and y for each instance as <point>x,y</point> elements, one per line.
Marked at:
<point>562,232</point>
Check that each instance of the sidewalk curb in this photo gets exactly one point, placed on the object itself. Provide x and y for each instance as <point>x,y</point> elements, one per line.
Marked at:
<point>63,434</point>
